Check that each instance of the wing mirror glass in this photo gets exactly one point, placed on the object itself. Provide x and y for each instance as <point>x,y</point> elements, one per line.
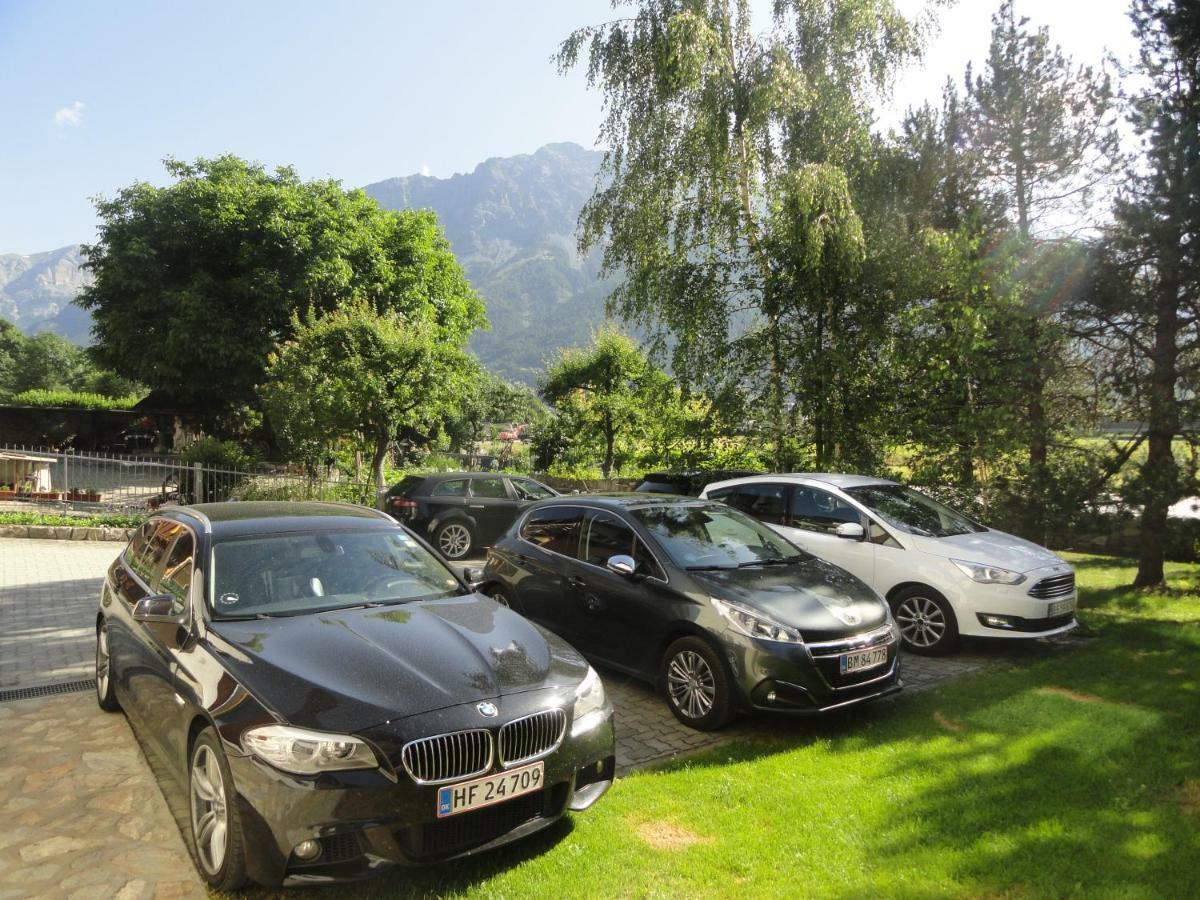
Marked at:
<point>622,565</point>
<point>157,608</point>
<point>851,531</point>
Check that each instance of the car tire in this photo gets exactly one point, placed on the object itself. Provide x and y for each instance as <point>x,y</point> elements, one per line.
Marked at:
<point>106,694</point>
<point>928,626</point>
<point>697,684</point>
<point>454,539</point>
<point>213,806</point>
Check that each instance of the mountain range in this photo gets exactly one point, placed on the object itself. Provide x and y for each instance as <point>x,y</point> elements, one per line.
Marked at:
<point>511,223</point>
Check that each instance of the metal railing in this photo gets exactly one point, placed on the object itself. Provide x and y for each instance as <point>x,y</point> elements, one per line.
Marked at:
<point>132,482</point>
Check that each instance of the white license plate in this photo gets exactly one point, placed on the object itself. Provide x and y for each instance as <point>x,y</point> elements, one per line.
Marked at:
<point>863,659</point>
<point>1062,606</point>
<point>467,795</point>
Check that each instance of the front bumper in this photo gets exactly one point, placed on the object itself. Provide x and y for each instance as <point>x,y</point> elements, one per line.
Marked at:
<point>1015,611</point>
<point>369,820</point>
<point>806,678</point>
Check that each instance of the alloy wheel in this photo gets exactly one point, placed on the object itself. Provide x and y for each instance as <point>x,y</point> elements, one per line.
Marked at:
<point>102,663</point>
<point>210,814</point>
<point>690,684</point>
<point>922,622</point>
<point>454,541</point>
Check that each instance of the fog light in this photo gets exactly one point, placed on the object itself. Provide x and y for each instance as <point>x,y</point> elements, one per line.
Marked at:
<point>308,850</point>
<point>771,697</point>
<point>995,621</point>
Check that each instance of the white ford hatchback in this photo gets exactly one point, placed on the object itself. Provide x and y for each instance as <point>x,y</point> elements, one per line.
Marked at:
<point>944,574</point>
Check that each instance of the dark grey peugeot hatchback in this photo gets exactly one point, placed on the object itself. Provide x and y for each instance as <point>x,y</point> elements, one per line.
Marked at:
<point>333,699</point>
<point>712,606</point>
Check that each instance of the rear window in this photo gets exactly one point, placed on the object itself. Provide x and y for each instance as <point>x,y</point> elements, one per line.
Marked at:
<point>555,528</point>
<point>455,488</point>
<point>765,501</point>
<point>406,486</point>
<point>489,489</point>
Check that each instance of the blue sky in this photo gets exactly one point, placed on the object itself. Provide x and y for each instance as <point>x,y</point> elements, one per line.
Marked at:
<point>94,94</point>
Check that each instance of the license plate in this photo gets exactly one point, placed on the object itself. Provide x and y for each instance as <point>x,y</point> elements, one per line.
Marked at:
<point>1062,606</point>
<point>465,796</point>
<point>863,659</point>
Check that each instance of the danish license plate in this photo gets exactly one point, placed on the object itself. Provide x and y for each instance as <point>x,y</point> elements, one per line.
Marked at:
<point>1061,607</point>
<point>863,659</point>
<point>468,795</point>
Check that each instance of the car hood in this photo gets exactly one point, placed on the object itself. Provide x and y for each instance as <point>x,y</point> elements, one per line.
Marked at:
<point>993,548</point>
<point>346,670</point>
<point>820,599</point>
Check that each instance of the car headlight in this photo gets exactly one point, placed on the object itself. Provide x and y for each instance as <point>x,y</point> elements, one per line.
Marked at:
<point>755,623</point>
<point>986,574</point>
<point>307,752</point>
<point>590,704</point>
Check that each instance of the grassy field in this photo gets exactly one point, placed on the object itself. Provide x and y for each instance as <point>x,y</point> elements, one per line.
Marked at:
<point>1074,774</point>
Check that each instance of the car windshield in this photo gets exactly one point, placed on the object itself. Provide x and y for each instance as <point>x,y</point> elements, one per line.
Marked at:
<point>913,512</point>
<point>702,536</point>
<point>312,571</point>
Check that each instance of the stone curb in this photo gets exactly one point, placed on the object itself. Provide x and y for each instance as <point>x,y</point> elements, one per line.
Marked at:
<point>66,532</point>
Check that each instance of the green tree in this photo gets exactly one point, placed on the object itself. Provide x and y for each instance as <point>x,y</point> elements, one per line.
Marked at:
<point>1044,128</point>
<point>724,199</point>
<point>11,342</point>
<point>603,393</point>
<point>489,398</point>
<point>196,282</point>
<point>1141,312</point>
<point>50,362</point>
<point>358,372</point>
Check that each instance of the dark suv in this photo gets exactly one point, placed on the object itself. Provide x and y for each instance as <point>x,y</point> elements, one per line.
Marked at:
<point>687,484</point>
<point>459,512</point>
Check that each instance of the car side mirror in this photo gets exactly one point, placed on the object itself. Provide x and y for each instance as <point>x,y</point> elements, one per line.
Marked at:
<point>473,576</point>
<point>157,608</point>
<point>851,531</point>
<point>622,565</point>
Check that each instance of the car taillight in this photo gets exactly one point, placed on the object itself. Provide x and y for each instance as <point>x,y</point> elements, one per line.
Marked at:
<point>403,503</point>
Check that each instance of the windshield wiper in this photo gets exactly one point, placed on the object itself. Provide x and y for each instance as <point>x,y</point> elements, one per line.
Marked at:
<point>709,568</point>
<point>775,561</point>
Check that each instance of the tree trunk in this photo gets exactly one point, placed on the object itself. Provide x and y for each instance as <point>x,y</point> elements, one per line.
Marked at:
<point>1039,440</point>
<point>777,426</point>
<point>609,440</point>
<point>377,458</point>
<point>1160,473</point>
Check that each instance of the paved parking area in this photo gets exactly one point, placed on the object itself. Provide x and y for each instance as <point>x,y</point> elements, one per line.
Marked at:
<point>49,593</point>
<point>83,815</point>
<point>49,590</point>
<point>89,819</point>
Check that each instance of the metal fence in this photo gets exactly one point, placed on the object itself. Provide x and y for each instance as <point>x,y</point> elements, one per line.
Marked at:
<point>131,483</point>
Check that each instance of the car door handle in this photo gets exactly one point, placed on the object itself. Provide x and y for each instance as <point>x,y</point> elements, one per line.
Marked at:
<point>576,582</point>
<point>478,506</point>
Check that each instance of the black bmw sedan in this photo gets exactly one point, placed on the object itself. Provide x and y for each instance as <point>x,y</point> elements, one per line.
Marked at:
<point>713,607</point>
<point>334,700</point>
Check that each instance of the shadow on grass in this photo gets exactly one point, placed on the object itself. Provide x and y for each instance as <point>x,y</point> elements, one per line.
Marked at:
<point>1062,778</point>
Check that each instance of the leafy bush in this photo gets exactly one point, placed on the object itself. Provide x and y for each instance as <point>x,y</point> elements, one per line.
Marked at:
<point>273,488</point>
<point>111,520</point>
<point>225,467</point>
<point>73,399</point>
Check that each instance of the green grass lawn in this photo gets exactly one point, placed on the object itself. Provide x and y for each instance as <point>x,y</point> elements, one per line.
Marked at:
<point>1073,774</point>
